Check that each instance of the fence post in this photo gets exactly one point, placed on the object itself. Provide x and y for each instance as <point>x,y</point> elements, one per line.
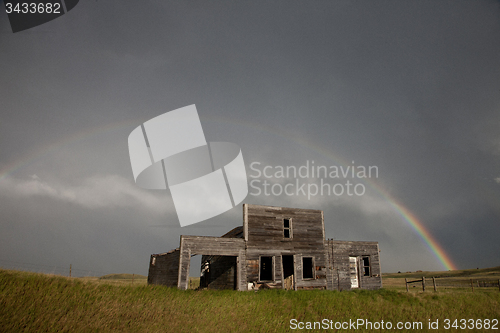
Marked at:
<point>472,285</point>
<point>434,283</point>
<point>406,283</point>
<point>423,283</point>
<point>69,270</point>
<point>133,275</point>
<point>498,284</point>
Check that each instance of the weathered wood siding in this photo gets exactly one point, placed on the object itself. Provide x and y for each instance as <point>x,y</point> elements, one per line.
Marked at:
<point>263,230</point>
<point>218,246</point>
<point>164,268</point>
<point>339,252</point>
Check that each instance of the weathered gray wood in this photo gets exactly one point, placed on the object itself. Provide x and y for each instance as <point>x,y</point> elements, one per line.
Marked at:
<point>213,245</point>
<point>218,246</point>
<point>164,268</point>
<point>266,237</point>
<point>235,257</point>
<point>342,250</point>
<point>245,222</point>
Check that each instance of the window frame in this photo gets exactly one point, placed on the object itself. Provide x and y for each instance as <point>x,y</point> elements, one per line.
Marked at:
<point>289,228</point>
<point>369,266</point>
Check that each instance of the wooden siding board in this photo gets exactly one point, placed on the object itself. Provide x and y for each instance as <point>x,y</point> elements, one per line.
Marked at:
<point>165,269</point>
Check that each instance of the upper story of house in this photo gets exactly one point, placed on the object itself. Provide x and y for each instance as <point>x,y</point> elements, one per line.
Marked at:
<point>282,228</point>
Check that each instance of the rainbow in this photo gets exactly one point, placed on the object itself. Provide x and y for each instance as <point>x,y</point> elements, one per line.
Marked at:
<point>420,229</point>
<point>407,216</point>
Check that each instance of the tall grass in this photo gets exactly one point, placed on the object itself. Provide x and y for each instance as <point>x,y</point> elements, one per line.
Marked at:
<point>34,302</point>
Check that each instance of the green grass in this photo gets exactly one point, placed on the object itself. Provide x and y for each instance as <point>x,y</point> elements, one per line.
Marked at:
<point>32,302</point>
<point>117,279</point>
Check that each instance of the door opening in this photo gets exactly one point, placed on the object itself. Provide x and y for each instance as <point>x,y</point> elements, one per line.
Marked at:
<point>353,269</point>
<point>288,273</point>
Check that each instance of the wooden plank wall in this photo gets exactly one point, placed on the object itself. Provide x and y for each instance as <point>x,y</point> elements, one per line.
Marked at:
<point>165,269</point>
<point>263,226</point>
<point>192,245</point>
<point>339,253</point>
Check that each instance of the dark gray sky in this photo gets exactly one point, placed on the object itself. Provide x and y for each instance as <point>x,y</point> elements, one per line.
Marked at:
<point>410,87</point>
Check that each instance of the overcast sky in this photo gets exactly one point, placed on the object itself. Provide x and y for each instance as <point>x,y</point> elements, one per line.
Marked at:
<point>410,87</point>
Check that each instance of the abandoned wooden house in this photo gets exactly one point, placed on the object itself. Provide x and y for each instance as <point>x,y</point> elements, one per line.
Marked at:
<point>275,248</point>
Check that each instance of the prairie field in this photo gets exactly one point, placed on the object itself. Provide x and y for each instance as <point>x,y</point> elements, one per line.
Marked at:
<point>33,302</point>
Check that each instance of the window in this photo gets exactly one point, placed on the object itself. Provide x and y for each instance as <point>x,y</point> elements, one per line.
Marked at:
<point>307,268</point>
<point>287,228</point>
<point>366,266</point>
<point>266,269</point>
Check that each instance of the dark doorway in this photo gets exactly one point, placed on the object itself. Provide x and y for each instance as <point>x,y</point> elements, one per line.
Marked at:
<point>266,269</point>
<point>218,272</point>
<point>288,272</point>
<point>307,268</point>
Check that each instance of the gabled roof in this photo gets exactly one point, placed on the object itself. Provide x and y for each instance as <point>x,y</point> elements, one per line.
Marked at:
<point>235,233</point>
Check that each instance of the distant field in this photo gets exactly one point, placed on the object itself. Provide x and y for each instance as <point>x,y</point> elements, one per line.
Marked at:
<point>446,280</point>
<point>118,279</point>
<point>123,277</point>
<point>493,272</point>
<point>32,302</point>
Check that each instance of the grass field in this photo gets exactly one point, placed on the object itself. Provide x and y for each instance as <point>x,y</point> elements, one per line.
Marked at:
<point>447,280</point>
<point>32,302</point>
<point>118,279</point>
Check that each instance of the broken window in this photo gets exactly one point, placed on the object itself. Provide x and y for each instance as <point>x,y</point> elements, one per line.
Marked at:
<point>266,269</point>
<point>307,268</point>
<point>287,228</point>
<point>366,266</point>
